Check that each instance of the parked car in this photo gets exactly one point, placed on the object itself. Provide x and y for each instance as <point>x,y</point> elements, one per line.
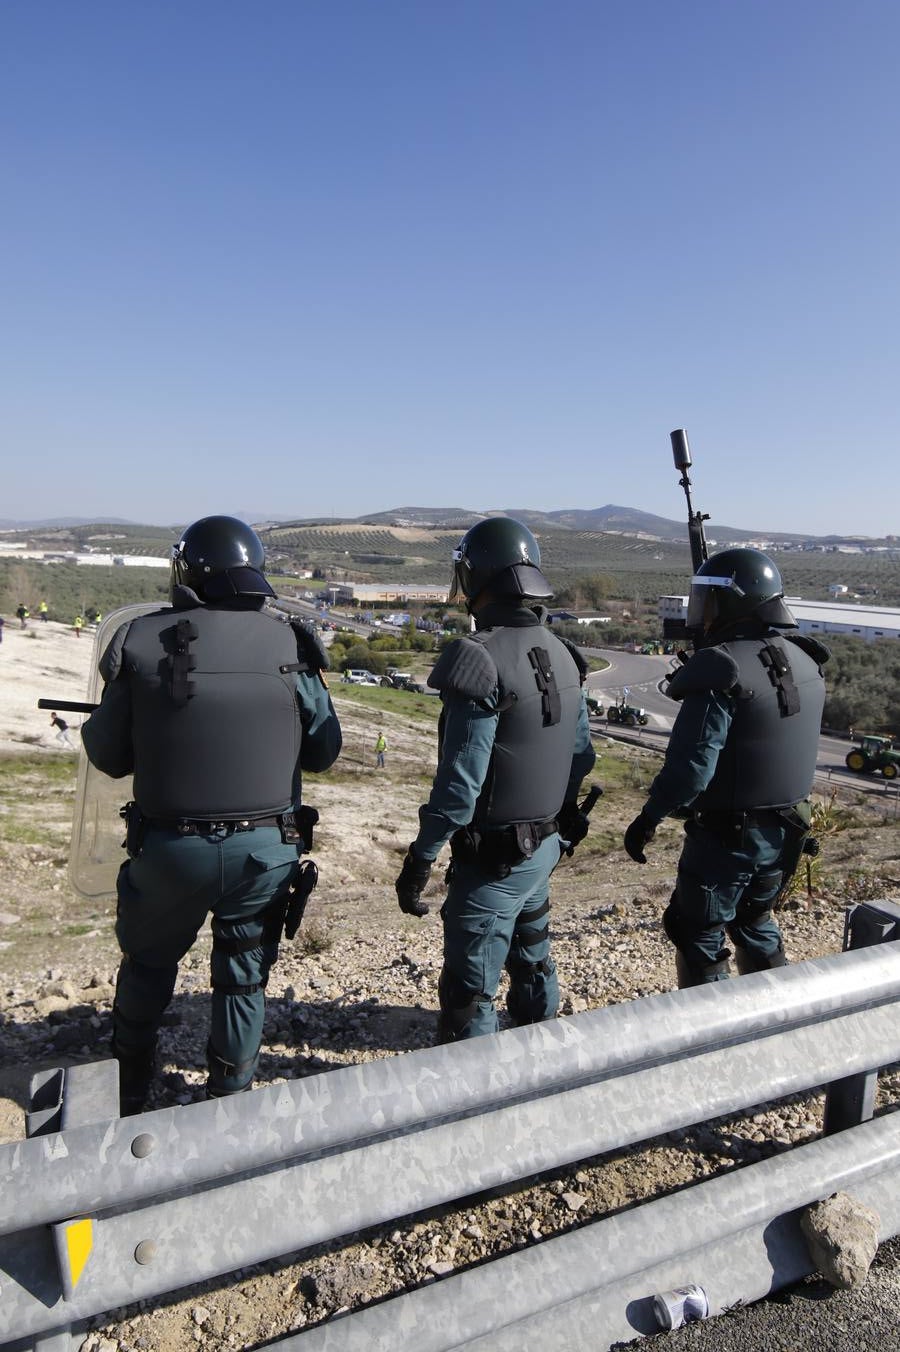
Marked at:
<point>358,676</point>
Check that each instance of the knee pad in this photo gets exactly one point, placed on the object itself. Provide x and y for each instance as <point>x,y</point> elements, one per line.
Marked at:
<point>228,945</point>
<point>673,923</point>
<point>459,1004</point>
<point>532,927</point>
<point>755,906</point>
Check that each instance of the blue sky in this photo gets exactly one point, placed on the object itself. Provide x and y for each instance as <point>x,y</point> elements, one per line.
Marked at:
<point>333,258</point>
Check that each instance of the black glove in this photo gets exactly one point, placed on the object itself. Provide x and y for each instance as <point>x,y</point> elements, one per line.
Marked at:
<point>411,883</point>
<point>573,825</point>
<point>637,835</point>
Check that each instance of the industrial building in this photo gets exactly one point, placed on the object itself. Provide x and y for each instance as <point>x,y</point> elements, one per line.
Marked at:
<point>385,593</point>
<point>818,617</point>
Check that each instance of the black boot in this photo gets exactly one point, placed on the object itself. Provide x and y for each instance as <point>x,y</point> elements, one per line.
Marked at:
<point>136,1070</point>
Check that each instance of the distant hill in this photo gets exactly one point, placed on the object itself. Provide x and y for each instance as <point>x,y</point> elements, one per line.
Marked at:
<point>626,520</point>
<point>611,518</point>
<point>63,522</point>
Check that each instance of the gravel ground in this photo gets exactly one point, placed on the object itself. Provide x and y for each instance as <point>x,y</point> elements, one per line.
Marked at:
<point>360,983</point>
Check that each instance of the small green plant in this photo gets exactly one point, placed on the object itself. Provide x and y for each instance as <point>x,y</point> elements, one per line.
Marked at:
<point>866,885</point>
<point>314,937</point>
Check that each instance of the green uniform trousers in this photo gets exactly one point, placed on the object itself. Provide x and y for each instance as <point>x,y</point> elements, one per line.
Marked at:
<point>728,887</point>
<point>164,897</point>
<point>491,923</point>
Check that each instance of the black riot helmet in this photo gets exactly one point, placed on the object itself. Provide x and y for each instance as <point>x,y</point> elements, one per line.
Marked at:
<point>220,557</point>
<point>501,554</point>
<point>736,585</point>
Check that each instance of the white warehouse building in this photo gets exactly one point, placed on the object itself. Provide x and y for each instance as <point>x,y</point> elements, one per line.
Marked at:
<point>818,617</point>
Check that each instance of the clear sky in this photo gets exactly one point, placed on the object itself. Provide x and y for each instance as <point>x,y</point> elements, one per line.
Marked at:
<point>309,257</point>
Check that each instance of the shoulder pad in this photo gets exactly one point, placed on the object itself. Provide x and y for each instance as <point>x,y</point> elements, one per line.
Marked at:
<point>465,667</point>
<point>110,663</point>
<point>578,657</point>
<point>811,646</point>
<point>708,669</point>
<point>309,647</point>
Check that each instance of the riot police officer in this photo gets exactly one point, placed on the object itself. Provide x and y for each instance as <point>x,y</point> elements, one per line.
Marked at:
<point>216,706</point>
<point>514,745</point>
<point>741,759</point>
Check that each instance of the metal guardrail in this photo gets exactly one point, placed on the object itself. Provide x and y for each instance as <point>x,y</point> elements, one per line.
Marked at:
<point>100,1212</point>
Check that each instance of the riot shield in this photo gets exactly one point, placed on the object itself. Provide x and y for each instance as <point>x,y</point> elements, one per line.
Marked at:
<point>98,832</point>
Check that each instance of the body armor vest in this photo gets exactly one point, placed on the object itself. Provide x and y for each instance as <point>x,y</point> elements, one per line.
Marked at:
<point>540,699</point>
<point>769,758</point>
<point>215,719</point>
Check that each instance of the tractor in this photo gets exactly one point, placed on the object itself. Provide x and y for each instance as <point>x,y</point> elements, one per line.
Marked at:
<point>627,714</point>
<point>873,754</point>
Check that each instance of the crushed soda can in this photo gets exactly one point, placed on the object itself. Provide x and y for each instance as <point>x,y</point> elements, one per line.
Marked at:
<point>680,1306</point>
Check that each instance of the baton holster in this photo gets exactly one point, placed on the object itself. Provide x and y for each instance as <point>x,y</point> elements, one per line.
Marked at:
<point>135,826</point>
<point>299,893</point>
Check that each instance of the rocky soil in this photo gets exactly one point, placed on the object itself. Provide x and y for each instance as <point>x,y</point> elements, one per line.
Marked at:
<point>360,983</point>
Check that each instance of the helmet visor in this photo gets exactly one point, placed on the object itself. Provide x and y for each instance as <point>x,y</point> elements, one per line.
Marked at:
<point>457,594</point>
<point>703,597</point>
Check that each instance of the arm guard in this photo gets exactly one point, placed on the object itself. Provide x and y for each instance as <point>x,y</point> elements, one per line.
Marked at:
<point>811,646</point>
<point>708,669</point>
<point>110,663</point>
<point>577,657</point>
<point>309,649</point>
<point>466,668</point>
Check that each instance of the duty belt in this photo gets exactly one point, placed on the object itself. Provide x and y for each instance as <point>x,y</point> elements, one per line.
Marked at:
<point>731,824</point>
<point>499,849</point>
<point>201,826</point>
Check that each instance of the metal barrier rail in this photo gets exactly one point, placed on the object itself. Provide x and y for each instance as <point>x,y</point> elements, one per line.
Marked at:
<point>104,1212</point>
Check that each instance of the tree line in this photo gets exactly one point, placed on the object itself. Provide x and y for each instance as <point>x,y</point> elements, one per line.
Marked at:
<point>862,682</point>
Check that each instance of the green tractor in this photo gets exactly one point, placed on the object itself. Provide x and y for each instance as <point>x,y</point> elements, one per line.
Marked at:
<point>873,754</point>
<point>629,715</point>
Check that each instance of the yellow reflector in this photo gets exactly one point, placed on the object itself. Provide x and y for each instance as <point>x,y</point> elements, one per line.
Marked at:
<point>79,1242</point>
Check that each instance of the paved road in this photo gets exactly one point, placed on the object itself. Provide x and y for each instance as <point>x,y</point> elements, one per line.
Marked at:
<point>808,1317</point>
<point>642,675</point>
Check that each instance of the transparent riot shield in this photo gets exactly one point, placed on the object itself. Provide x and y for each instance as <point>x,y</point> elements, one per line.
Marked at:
<point>98,832</point>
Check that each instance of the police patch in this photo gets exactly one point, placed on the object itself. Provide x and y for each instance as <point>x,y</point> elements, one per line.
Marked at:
<point>465,667</point>
<point>709,669</point>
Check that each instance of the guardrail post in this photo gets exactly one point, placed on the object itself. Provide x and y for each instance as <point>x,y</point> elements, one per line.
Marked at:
<point>851,1101</point>
<point>72,1096</point>
<point>62,1098</point>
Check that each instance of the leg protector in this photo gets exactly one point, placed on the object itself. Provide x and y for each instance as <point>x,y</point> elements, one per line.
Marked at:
<point>694,966</point>
<point>533,991</point>
<point>700,976</point>
<point>533,984</point>
<point>464,1013</point>
<point>228,1077</point>
<point>242,954</point>
<point>749,960</point>
<point>754,930</point>
<point>142,997</point>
